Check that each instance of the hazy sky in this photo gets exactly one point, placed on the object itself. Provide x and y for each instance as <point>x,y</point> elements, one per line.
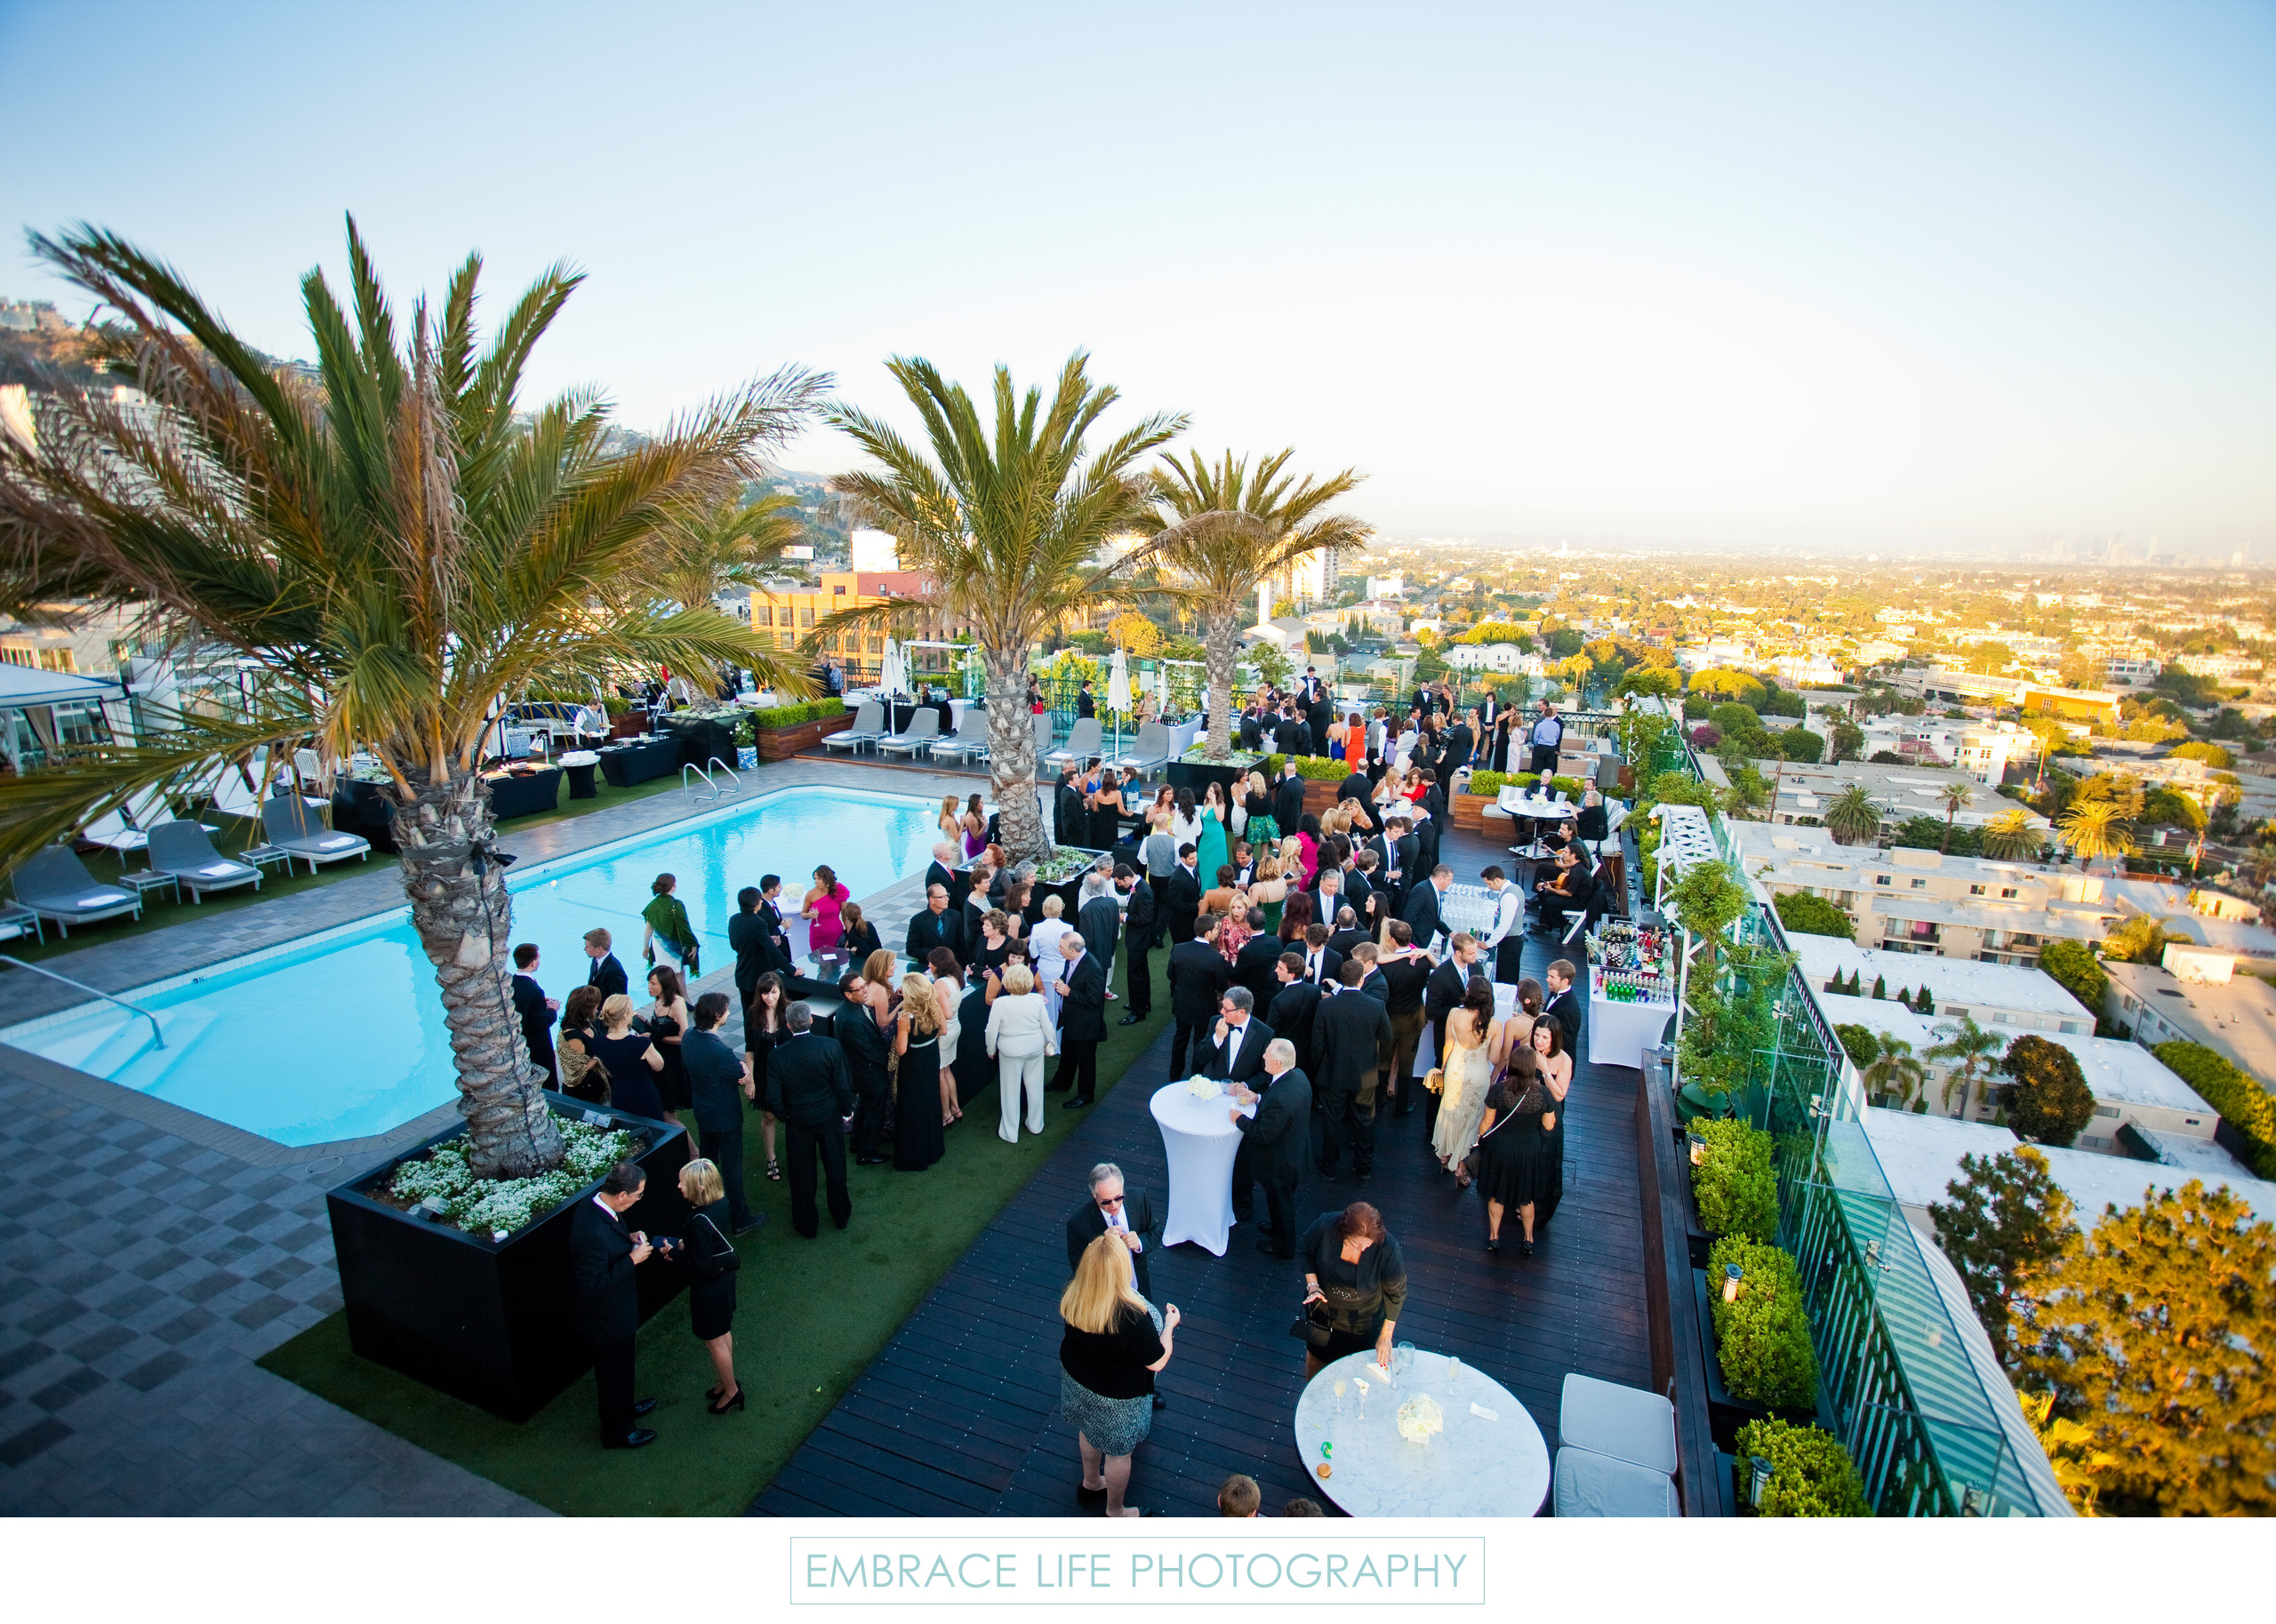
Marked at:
<point>1848,275</point>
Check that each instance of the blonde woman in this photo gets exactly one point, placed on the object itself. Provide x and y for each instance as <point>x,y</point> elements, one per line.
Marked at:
<point>951,821</point>
<point>916,1139</point>
<point>1467,1076</point>
<point>1019,1035</point>
<point>1267,889</point>
<point>948,994</point>
<point>1113,1344</point>
<point>632,1061</point>
<point>1042,951</point>
<point>1258,828</point>
<point>709,1258</point>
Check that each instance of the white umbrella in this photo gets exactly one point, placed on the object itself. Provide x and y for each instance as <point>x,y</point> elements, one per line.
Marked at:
<point>1117,695</point>
<point>893,676</point>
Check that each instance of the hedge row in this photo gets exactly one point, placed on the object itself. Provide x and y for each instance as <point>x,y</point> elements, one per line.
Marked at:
<point>2243,1104</point>
<point>792,716</point>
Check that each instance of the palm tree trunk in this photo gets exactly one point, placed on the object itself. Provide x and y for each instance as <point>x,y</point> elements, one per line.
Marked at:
<point>1218,649</point>
<point>465,921</point>
<point>1011,755</point>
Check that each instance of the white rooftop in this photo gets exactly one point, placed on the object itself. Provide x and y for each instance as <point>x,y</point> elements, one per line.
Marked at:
<point>2119,1072</point>
<point>1884,1016</point>
<point>1971,984</point>
<point>2095,1183</point>
<point>1919,1153</point>
<point>2199,1158</point>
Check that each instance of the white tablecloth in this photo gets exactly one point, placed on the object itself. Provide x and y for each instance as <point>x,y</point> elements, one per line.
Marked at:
<point>1199,1140</point>
<point>1476,1467</point>
<point>1182,735</point>
<point>1619,1033</point>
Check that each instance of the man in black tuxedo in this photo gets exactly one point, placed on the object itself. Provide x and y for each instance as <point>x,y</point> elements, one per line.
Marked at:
<point>1564,1003</point>
<point>770,911</point>
<point>1183,899</point>
<point>1349,934</point>
<point>1199,976</point>
<point>1082,1019</point>
<point>1328,894</point>
<point>1295,1001</point>
<point>1252,728</point>
<point>1357,787</point>
<point>1406,974</point>
<point>1276,1140</point>
<point>1236,1051</point>
<point>1141,933</point>
<point>1129,1215</point>
<point>936,927</point>
<point>606,976</point>
<point>1258,959</point>
<point>718,1082</point>
<point>1405,849</point>
<point>538,1012</point>
<point>1422,913</point>
<point>866,1049</point>
<point>1350,1036</point>
<point>1288,799</point>
<point>809,1092</point>
<point>1321,962</point>
<point>1455,754</point>
<point>942,870</point>
<point>753,944</point>
<point>1084,704</point>
<point>1100,920</point>
<point>602,1253</point>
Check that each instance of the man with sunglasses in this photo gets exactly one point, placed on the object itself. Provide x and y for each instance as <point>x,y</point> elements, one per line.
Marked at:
<point>1129,1215</point>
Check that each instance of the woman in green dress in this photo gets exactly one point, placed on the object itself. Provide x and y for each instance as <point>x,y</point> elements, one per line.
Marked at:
<point>668,935</point>
<point>1214,845</point>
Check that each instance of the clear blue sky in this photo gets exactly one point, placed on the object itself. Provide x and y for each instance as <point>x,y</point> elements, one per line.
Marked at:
<point>1859,275</point>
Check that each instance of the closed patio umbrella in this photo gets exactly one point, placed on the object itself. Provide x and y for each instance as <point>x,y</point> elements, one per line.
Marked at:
<point>893,676</point>
<point>1118,693</point>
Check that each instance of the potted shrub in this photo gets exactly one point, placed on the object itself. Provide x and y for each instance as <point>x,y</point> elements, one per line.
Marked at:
<point>626,723</point>
<point>1323,776</point>
<point>781,731</point>
<point>1759,1356</point>
<point>1811,1475</point>
<point>463,1283</point>
<point>1735,1184</point>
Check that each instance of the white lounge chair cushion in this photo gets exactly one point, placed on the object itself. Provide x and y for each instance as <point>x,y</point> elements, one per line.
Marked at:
<point>332,843</point>
<point>1626,1423</point>
<point>101,899</point>
<point>1589,1485</point>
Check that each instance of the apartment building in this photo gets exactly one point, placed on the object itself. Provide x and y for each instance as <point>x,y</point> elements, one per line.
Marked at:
<point>1505,658</point>
<point>791,613</point>
<point>2131,671</point>
<point>1983,751</point>
<point>2128,1082</point>
<point>1805,787</point>
<point>1904,900</point>
<point>1938,685</point>
<point>2001,998</point>
<point>2195,996</point>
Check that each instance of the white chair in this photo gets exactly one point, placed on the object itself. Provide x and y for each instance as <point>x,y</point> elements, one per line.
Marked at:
<point>1150,750</point>
<point>1589,1485</point>
<point>1042,733</point>
<point>969,743</point>
<point>1616,1454</point>
<point>924,728</point>
<point>291,828</point>
<point>1082,743</point>
<point>113,832</point>
<point>868,727</point>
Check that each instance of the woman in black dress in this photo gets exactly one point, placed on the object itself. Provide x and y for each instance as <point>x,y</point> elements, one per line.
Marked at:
<point>1354,1270</point>
<point>1515,1154</point>
<point>631,1060</point>
<point>917,1142</point>
<point>664,1020</point>
<point>861,936</point>
<point>764,1033</point>
<point>710,1260</point>
<point>1106,810</point>
<point>1498,761</point>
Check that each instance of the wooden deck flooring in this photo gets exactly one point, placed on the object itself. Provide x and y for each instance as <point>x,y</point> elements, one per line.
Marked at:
<point>957,1416</point>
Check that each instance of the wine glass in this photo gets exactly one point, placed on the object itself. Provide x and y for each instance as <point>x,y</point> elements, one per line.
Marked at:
<point>1402,1357</point>
<point>1340,1388</point>
<point>1361,1383</point>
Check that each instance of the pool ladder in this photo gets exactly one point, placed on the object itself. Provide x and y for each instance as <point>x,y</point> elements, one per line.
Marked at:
<point>709,782</point>
<point>156,1036</point>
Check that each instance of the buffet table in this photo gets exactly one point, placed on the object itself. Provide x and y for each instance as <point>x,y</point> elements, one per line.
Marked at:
<point>635,761</point>
<point>516,795</point>
<point>1199,1139</point>
<point>1619,1033</point>
<point>1490,1459</point>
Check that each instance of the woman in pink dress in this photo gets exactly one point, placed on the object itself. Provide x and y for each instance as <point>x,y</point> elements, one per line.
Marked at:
<point>826,929</point>
<point>975,829</point>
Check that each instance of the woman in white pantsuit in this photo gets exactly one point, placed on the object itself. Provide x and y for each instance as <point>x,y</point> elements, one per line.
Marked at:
<point>1019,1035</point>
<point>1043,953</point>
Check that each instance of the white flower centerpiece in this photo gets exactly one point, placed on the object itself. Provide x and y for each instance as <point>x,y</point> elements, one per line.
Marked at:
<point>1204,1088</point>
<point>1419,1417</point>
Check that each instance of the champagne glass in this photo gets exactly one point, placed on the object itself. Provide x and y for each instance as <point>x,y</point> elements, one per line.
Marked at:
<point>1340,1388</point>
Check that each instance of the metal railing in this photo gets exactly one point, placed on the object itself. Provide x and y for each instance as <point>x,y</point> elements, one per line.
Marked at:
<point>157,1035</point>
<point>1895,1381</point>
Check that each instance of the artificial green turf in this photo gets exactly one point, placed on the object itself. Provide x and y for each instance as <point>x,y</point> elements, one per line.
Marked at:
<point>237,834</point>
<point>809,1317</point>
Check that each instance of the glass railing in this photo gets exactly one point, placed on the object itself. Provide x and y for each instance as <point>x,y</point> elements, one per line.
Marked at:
<point>1897,1381</point>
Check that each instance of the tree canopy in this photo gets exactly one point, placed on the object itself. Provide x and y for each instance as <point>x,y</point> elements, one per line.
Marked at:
<point>2048,1099</point>
<point>2006,1223</point>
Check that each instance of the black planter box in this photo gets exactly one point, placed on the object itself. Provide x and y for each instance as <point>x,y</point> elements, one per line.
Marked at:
<point>489,1322</point>
<point>1198,775</point>
<point>1068,890</point>
<point>1726,1412</point>
<point>700,739</point>
<point>516,795</point>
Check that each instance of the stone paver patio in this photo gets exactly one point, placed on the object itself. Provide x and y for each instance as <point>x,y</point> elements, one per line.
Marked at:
<point>153,1254</point>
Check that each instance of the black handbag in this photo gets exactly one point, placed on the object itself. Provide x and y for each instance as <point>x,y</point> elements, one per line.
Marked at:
<point>1313,1325</point>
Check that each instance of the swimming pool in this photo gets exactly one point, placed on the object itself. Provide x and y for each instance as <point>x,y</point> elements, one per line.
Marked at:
<point>340,1035</point>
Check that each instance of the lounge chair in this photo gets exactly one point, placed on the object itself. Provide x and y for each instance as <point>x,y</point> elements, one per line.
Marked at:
<point>292,829</point>
<point>1150,750</point>
<point>969,741</point>
<point>112,831</point>
<point>868,727</point>
<point>183,850</point>
<point>1042,733</point>
<point>924,728</point>
<point>1082,744</point>
<point>55,884</point>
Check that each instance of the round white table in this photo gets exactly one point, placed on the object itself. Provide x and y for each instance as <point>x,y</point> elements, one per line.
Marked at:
<point>1477,1467</point>
<point>1199,1140</point>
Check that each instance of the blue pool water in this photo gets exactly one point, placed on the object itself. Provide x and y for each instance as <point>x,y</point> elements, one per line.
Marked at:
<point>342,1036</point>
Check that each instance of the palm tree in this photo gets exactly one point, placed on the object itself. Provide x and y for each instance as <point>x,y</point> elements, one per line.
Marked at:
<point>2011,837</point>
<point>1853,816</point>
<point>387,553</point>
<point>1972,1052</point>
<point>1234,530</point>
<point>723,542</point>
<point>1956,796</point>
<point>2097,829</point>
<point>1894,1071</point>
<point>1007,527</point>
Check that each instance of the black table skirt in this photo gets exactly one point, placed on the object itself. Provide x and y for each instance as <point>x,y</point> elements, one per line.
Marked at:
<point>627,764</point>
<point>517,795</point>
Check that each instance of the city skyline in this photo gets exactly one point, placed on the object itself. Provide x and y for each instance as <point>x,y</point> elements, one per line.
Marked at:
<point>1937,283</point>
